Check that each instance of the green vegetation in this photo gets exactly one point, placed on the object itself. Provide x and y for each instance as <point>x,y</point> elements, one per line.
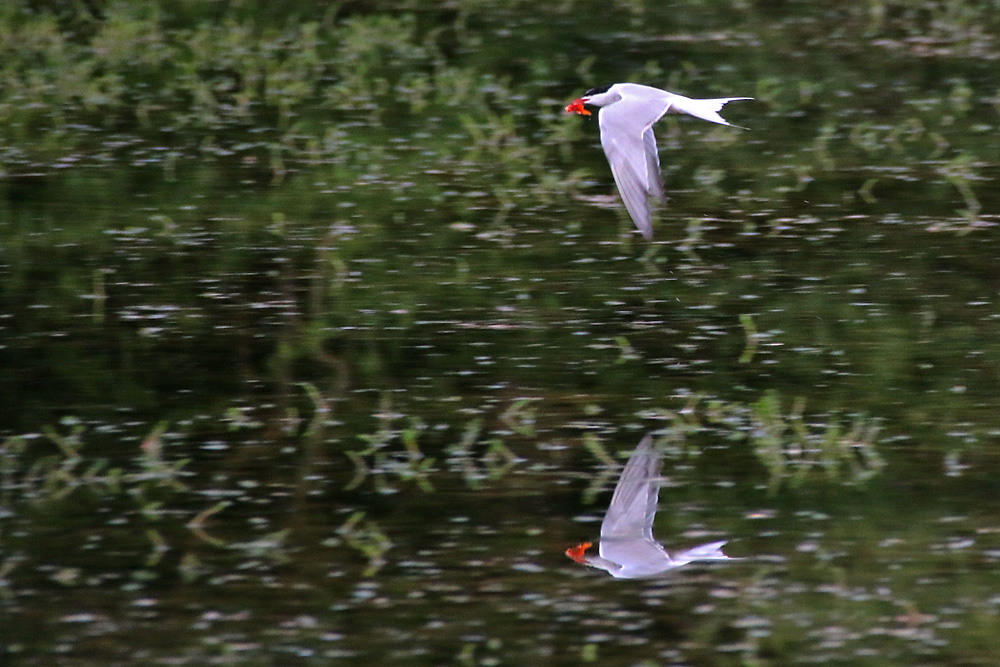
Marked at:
<point>322,337</point>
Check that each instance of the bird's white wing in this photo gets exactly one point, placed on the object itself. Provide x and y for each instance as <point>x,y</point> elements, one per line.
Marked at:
<point>655,188</point>
<point>629,144</point>
<point>633,505</point>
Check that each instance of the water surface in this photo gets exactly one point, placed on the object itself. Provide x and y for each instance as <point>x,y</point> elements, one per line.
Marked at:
<point>329,351</point>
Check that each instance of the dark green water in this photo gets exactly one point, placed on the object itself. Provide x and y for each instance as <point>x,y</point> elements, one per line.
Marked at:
<point>318,330</point>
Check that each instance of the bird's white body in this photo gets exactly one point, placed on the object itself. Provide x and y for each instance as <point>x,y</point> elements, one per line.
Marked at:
<point>628,112</point>
<point>627,548</point>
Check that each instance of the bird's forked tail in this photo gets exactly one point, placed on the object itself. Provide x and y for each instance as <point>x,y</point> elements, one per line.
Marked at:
<point>710,551</point>
<point>704,109</point>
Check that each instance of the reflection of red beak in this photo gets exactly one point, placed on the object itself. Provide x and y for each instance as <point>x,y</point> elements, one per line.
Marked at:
<point>576,106</point>
<point>577,552</point>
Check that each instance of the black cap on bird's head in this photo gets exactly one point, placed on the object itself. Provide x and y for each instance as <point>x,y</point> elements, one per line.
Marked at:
<point>597,91</point>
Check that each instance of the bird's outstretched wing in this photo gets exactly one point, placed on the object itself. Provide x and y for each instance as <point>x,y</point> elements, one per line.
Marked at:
<point>630,146</point>
<point>655,179</point>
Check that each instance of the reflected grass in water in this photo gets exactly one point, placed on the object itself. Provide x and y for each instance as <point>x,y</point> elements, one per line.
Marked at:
<point>255,228</point>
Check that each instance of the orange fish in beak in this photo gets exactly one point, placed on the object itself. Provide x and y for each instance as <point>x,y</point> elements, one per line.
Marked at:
<point>577,553</point>
<point>576,106</point>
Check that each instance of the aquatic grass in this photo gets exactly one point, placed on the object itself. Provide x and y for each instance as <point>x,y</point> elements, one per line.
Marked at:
<point>461,452</point>
<point>200,87</point>
<point>379,461</point>
<point>164,74</point>
<point>607,473</point>
<point>626,352</point>
<point>136,72</point>
<point>491,465</point>
<point>30,473</point>
<point>693,236</point>
<point>366,537</point>
<point>790,449</point>
<point>593,445</point>
<point>960,172</point>
<point>197,524</point>
<point>521,417</point>
<point>270,547</point>
<point>753,338</point>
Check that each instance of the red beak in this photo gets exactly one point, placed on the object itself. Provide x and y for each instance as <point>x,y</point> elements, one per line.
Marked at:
<point>576,106</point>
<point>577,552</point>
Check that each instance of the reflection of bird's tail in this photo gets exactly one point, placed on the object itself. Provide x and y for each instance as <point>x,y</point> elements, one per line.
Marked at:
<point>704,109</point>
<point>711,551</point>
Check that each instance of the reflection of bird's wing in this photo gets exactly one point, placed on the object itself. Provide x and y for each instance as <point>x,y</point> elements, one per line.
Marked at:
<point>633,505</point>
<point>629,144</point>
<point>627,548</point>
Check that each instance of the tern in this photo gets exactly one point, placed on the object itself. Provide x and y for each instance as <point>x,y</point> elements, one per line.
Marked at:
<point>626,117</point>
<point>627,548</point>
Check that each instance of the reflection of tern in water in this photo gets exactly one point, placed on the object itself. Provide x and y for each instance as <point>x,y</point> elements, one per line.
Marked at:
<point>627,548</point>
